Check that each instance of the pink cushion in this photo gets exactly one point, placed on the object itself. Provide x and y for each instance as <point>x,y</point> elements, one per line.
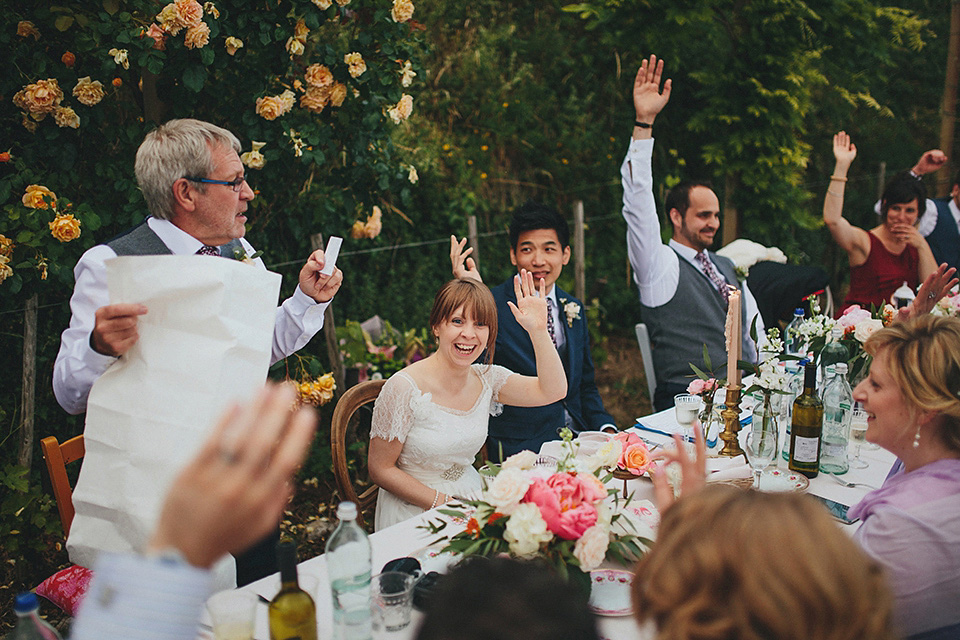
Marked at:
<point>66,588</point>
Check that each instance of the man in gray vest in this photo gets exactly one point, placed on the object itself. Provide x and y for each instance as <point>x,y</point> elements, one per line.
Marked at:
<point>195,188</point>
<point>683,287</point>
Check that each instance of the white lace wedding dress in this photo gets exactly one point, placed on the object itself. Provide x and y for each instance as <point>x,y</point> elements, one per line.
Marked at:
<point>439,443</point>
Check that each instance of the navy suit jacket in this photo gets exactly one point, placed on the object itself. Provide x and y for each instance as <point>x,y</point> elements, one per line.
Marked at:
<point>519,428</point>
<point>944,240</point>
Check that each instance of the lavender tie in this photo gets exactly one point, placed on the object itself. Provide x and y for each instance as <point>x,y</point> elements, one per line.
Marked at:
<point>714,275</point>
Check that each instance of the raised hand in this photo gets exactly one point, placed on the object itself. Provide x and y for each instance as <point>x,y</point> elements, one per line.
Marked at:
<point>531,308</point>
<point>937,285</point>
<point>318,286</point>
<point>929,162</point>
<point>648,99</point>
<point>464,267</point>
<point>843,150</point>
<point>694,471</point>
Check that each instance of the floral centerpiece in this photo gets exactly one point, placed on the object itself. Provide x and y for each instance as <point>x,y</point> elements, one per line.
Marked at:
<point>561,514</point>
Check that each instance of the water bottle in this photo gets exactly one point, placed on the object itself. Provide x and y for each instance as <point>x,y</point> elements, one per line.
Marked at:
<point>832,353</point>
<point>30,626</point>
<point>791,335</point>
<point>348,566</point>
<point>794,389</point>
<point>837,414</point>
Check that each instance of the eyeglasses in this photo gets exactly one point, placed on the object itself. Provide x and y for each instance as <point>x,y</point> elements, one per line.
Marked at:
<point>236,185</point>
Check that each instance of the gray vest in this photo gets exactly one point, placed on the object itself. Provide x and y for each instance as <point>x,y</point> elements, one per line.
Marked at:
<point>694,317</point>
<point>142,241</point>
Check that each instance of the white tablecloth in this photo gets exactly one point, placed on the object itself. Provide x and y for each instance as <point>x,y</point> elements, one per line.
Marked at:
<point>406,538</point>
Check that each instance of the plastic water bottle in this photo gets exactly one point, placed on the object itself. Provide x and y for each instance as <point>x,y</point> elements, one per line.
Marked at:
<point>833,352</point>
<point>791,335</point>
<point>795,388</point>
<point>837,414</point>
<point>30,626</point>
<point>348,566</point>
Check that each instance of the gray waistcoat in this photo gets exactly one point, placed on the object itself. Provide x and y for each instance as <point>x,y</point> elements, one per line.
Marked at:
<point>694,316</point>
<point>142,241</point>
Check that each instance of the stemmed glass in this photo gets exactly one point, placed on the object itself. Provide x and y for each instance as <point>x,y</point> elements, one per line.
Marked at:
<point>858,432</point>
<point>686,407</point>
<point>761,450</point>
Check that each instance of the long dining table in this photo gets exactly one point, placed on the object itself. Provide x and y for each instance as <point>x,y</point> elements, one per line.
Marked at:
<point>411,538</point>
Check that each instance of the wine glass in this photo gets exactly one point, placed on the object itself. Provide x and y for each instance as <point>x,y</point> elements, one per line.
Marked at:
<point>686,407</point>
<point>858,432</point>
<point>761,450</point>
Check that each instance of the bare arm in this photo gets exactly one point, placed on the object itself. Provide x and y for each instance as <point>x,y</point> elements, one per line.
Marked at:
<point>851,239</point>
<point>550,385</point>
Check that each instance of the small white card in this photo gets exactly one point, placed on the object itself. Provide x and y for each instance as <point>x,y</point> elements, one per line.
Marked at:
<point>330,255</point>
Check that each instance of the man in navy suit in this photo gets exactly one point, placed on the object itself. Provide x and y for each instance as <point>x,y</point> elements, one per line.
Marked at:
<point>539,243</point>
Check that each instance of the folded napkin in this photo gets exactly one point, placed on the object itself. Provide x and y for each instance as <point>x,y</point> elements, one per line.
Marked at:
<point>721,469</point>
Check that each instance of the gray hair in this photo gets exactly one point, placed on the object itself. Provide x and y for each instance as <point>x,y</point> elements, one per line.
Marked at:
<point>174,150</point>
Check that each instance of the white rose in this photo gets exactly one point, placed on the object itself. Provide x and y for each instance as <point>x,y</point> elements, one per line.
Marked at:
<point>526,531</point>
<point>507,489</point>
<point>591,548</point>
<point>521,460</point>
<point>866,328</point>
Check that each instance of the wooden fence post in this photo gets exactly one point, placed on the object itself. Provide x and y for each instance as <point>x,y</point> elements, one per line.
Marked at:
<point>330,333</point>
<point>28,396</point>
<point>474,238</point>
<point>579,253</point>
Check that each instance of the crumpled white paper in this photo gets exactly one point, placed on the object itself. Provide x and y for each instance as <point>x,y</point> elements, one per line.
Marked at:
<point>204,343</point>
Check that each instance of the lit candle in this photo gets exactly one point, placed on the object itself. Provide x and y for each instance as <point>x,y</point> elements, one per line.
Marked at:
<point>734,336</point>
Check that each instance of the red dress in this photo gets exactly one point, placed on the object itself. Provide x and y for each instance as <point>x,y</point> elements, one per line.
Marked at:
<point>874,281</point>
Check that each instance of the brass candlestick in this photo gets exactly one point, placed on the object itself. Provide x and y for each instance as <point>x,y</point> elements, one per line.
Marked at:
<point>731,423</point>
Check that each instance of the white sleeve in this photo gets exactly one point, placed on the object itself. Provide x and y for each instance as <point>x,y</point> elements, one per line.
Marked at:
<point>753,311</point>
<point>78,365</point>
<point>135,598</point>
<point>393,413</point>
<point>656,267</point>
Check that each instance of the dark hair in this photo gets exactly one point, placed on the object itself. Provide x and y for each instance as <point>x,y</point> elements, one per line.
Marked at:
<point>901,189</point>
<point>679,196</point>
<point>475,299</point>
<point>506,599</point>
<point>531,216</point>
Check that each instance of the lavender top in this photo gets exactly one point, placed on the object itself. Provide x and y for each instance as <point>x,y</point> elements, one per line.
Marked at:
<point>911,526</point>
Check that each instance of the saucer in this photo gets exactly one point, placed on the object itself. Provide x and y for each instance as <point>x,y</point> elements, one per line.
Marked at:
<point>610,592</point>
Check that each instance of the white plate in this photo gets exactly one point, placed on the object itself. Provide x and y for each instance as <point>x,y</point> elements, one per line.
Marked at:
<point>779,481</point>
<point>610,592</point>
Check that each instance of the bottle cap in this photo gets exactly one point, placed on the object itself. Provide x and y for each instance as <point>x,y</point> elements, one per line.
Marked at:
<point>347,511</point>
<point>25,602</point>
<point>798,311</point>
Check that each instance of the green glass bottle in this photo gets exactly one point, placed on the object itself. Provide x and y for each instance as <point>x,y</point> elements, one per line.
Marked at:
<point>806,428</point>
<point>292,612</point>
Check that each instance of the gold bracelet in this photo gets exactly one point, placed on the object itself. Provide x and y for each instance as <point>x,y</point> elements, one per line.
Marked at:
<point>838,178</point>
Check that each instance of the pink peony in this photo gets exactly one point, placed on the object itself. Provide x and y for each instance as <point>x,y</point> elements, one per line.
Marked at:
<point>565,503</point>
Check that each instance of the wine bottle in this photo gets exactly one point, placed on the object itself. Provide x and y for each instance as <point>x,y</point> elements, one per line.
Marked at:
<point>292,612</point>
<point>806,427</point>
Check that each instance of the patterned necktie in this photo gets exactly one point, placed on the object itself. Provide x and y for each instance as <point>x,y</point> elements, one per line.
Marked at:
<point>550,328</point>
<point>208,250</point>
<point>714,275</point>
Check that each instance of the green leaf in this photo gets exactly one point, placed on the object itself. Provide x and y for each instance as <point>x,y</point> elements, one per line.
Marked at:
<point>111,6</point>
<point>25,237</point>
<point>63,23</point>
<point>194,78</point>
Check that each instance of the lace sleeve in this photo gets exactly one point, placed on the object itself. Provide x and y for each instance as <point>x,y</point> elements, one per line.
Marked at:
<point>392,412</point>
<point>496,376</point>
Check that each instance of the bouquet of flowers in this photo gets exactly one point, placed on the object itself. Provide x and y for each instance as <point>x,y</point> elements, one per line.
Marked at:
<point>563,515</point>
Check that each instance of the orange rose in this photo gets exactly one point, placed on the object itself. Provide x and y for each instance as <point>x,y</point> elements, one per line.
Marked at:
<point>315,99</point>
<point>5,156</point>
<point>88,92</point>
<point>337,94</point>
<point>65,227</point>
<point>37,196</point>
<point>357,230</point>
<point>636,458</point>
<point>39,98</point>
<point>117,82</point>
<point>68,59</point>
<point>317,75</point>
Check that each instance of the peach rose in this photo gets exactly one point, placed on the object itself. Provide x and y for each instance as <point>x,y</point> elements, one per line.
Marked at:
<point>300,30</point>
<point>271,107</point>
<point>373,225</point>
<point>26,28</point>
<point>197,37</point>
<point>233,44</point>
<point>323,4</point>
<point>402,10</point>
<point>66,117</point>
<point>39,98</point>
<point>159,36</point>
<point>5,270</point>
<point>295,47</point>
<point>635,458</point>
<point>356,231</point>
<point>338,92</point>
<point>317,75</point>
<point>343,3</point>
<point>189,13</point>
<point>253,158</point>
<point>315,99</point>
<point>211,9</point>
<point>88,92</point>
<point>355,64</point>
<point>6,246</point>
<point>168,19</point>
<point>39,197</point>
<point>402,110</point>
<point>65,227</point>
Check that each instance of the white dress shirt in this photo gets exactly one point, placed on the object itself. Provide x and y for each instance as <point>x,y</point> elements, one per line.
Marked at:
<point>656,266</point>
<point>77,366</point>
<point>138,598</point>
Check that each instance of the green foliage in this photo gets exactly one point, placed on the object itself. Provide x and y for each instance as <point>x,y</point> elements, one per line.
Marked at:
<point>27,516</point>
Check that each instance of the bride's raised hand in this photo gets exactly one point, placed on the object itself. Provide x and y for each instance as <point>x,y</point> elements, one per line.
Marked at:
<point>531,307</point>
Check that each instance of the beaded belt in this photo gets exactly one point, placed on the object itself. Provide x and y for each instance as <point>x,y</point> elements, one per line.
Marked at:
<point>453,473</point>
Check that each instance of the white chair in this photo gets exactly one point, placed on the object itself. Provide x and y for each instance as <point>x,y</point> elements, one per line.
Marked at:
<point>643,339</point>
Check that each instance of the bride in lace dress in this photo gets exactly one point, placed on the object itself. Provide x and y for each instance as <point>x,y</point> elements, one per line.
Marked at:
<point>430,419</point>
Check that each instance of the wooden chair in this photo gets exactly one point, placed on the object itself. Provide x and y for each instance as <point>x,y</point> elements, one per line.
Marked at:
<point>57,457</point>
<point>351,424</point>
<point>643,339</point>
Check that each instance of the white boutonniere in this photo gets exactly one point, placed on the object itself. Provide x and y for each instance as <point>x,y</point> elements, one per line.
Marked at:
<point>239,253</point>
<point>572,311</point>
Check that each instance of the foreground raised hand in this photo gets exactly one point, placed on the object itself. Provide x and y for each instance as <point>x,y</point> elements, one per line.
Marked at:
<point>694,470</point>
<point>934,287</point>
<point>234,490</point>
<point>531,308</point>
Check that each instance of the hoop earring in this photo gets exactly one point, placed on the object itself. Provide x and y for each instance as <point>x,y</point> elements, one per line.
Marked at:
<point>916,438</point>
